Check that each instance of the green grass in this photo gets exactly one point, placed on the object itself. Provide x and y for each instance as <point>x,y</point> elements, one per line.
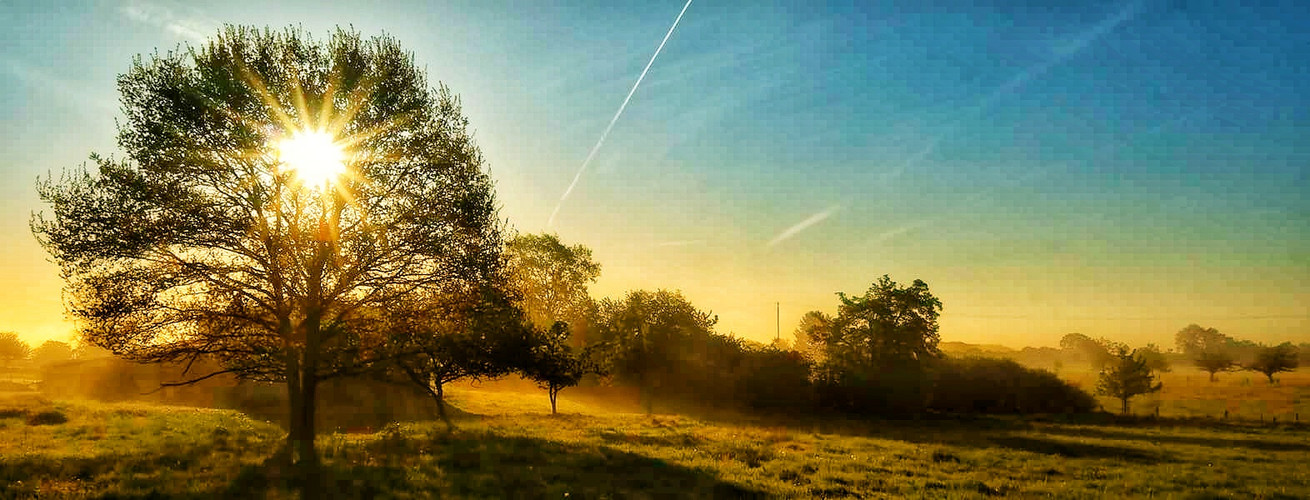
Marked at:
<point>507,445</point>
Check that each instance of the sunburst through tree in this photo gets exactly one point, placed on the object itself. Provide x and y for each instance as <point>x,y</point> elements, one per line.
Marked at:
<point>283,204</point>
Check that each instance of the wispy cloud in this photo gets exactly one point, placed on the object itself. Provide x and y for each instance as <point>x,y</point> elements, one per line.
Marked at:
<point>1061,52</point>
<point>551,221</point>
<point>192,27</point>
<point>803,225</point>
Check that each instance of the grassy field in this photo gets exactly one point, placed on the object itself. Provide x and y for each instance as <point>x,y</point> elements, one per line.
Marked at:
<point>507,445</point>
<point>1188,392</point>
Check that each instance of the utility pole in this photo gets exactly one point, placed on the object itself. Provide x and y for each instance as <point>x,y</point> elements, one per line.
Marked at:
<point>777,321</point>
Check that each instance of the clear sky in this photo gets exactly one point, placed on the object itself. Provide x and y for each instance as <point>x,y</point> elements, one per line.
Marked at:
<point>1119,169</point>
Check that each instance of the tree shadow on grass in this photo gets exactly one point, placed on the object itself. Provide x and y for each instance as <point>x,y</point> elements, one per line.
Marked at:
<point>1079,450</point>
<point>1216,442</point>
<point>480,464</point>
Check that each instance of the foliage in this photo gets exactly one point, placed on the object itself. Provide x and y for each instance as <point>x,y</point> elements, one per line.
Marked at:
<point>1271,360</point>
<point>477,335</point>
<point>1126,376</point>
<point>876,351</point>
<point>1208,349</point>
<point>13,348</point>
<point>555,364</point>
<point>202,243</point>
<point>989,385</point>
<point>1215,361</point>
<point>51,352</point>
<point>812,335</point>
<point>552,278</point>
<point>647,336</point>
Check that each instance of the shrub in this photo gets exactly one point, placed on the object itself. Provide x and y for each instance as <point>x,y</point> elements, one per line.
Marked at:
<point>987,385</point>
<point>47,417</point>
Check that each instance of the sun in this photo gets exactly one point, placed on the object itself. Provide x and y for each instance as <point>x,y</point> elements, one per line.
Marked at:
<point>313,156</point>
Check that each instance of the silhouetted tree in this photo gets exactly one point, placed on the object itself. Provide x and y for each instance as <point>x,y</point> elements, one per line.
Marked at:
<point>646,336</point>
<point>812,335</point>
<point>205,241</point>
<point>1271,360</point>
<point>13,348</point>
<point>1127,375</point>
<point>50,352</point>
<point>1208,349</point>
<point>477,335</point>
<point>555,364</point>
<point>877,349</point>
<point>552,279</point>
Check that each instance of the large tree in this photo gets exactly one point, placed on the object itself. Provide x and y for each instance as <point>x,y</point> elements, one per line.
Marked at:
<point>552,279</point>
<point>1208,349</point>
<point>1271,360</point>
<point>1128,374</point>
<point>278,193</point>
<point>646,338</point>
<point>877,350</point>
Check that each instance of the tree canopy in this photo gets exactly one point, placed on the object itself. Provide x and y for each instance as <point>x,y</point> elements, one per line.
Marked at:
<point>1208,349</point>
<point>13,348</point>
<point>876,351</point>
<point>1271,360</point>
<point>1128,374</point>
<point>206,240</point>
<point>552,279</point>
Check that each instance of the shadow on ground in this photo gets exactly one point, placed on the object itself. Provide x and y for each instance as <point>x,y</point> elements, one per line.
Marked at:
<point>480,464</point>
<point>1213,442</point>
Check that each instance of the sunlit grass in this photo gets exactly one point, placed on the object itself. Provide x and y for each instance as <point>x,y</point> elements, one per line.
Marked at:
<point>1188,392</point>
<point>508,445</point>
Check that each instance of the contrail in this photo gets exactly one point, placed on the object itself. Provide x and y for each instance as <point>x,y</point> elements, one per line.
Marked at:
<point>802,225</point>
<point>1061,54</point>
<point>551,222</point>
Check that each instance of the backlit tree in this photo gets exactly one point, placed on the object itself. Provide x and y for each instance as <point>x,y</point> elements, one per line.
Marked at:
<point>277,195</point>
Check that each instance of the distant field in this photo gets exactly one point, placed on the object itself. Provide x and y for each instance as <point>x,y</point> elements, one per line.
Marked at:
<point>1188,392</point>
<point>506,445</point>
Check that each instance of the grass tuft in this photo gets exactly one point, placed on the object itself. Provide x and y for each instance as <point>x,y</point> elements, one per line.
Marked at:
<point>47,417</point>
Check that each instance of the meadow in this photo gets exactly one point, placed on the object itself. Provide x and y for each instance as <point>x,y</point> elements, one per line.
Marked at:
<point>1189,393</point>
<point>506,444</point>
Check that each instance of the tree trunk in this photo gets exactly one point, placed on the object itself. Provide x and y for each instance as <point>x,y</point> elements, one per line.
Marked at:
<point>1212,376</point>
<point>441,404</point>
<point>554,393</point>
<point>295,404</point>
<point>1124,410</point>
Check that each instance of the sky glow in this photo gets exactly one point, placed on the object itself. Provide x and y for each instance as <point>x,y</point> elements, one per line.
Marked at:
<point>1119,169</point>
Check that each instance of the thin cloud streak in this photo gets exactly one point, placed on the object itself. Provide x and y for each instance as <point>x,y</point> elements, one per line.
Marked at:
<point>576,177</point>
<point>1062,53</point>
<point>163,18</point>
<point>802,225</point>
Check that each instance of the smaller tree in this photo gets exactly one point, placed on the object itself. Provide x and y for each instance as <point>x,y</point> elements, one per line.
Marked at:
<point>1213,362</point>
<point>51,352</point>
<point>1127,375</point>
<point>555,364</point>
<point>1271,360</point>
<point>13,348</point>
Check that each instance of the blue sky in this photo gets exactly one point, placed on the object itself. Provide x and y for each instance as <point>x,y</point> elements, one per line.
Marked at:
<point>1120,169</point>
